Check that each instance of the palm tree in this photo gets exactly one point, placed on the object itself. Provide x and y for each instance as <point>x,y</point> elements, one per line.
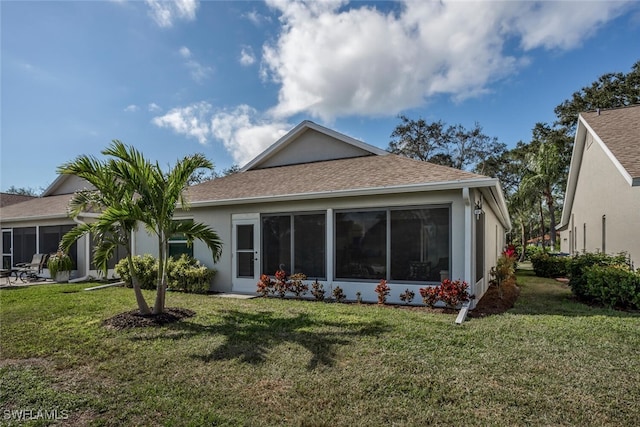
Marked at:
<point>159,193</point>
<point>546,172</point>
<point>116,210</point>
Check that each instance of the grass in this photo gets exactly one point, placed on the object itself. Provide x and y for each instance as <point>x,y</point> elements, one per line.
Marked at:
<point>548,361</point>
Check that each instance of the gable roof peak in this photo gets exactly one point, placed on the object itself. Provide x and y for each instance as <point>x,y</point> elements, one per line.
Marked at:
<point>355,146</point>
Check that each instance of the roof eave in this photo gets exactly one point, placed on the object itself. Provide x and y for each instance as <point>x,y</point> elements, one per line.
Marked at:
<point>411,188</point>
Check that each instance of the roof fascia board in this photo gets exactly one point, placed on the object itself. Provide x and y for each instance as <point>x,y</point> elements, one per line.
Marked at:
<point>298,130</point>
<point>439,186</point>
<point>574,170</point>
<point>55,184</point>
<point>35,218</point>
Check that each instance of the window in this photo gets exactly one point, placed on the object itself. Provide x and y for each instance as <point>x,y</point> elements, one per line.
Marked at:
<point>393,244</point>
<point>361,245</point>
<point>178,244</point>
<point>298,241</point>
<point>50,237</point>
<point>24,244</point>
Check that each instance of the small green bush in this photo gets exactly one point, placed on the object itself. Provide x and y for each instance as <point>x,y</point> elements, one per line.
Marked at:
<point>613,286</point>
<point>186,274</point>
<point>577,266</point>
<point>545,265</point>
<point>146,267</point>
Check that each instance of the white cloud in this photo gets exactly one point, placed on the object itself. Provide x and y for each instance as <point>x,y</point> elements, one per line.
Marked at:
<point>198,72</point>
<point>331,60</point>
<point>165,13</point>
<point>256,18</point>
<point>131,108</point>
<point>185,52</point>
<point>247,57</point>
<point>191,121</point>
<point>244,133</point>
<point>153,107</point>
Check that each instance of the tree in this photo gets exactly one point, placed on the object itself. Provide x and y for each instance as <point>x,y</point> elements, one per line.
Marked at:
<point>159,193</point>
<point>418,139</point>
<point>435,142</point>
<point>611,90</point>
<point>119,212</point>
<point>546,170</point>
<point>22,191</point>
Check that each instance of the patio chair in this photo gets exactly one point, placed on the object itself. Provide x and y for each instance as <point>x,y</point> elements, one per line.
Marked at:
<point>32,270</point>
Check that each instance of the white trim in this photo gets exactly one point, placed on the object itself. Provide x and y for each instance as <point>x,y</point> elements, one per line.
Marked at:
<point>609,154</point>
<point>468,237</point>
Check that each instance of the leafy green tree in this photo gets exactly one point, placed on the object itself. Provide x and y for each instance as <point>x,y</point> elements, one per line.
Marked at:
<point>159,193</point>
<point>611,90</point>
<point>435,142</point>
<point>118,211</point>
<point>546,172</point>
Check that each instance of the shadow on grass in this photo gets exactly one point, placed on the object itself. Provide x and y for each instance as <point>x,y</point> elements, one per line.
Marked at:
<point>249,337</point>
<point>542,296</point>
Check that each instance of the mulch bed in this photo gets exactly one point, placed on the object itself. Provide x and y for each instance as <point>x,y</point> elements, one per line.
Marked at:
<point>133,318</point>
<point>493,303</point>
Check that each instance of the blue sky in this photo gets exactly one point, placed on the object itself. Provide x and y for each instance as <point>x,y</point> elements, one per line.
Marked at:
<point>226,79</point>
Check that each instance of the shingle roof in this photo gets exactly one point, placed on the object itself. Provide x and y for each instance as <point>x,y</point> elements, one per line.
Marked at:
<point>7,199</point>
<point>325,177</point>
<point>619,129</point>
<point>50,206</point>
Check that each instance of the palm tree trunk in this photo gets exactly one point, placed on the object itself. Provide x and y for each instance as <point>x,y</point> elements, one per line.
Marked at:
<point>142,303</point>
<point>542,233</point>
<point>161,286</point>
<point>524,242</point>
<point>552,219</point>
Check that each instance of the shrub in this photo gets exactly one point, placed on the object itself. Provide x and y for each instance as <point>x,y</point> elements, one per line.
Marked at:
<point>407,296</point>
<point>382,290</point>
<point>146,268</point>
<point>504,270</point>
<point>577,266</point>
<point>317,290</point>
<point>266,286</point>
<point>545,265</point>
<point>338,294</point>
<point>281,285</point>
<point>451,293</point>
<point>296,286</point>
<point>613,286</point>
<point>186,274</point>
<point>430,295</point>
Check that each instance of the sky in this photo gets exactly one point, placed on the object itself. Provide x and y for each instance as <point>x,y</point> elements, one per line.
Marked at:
<point>228,78</point>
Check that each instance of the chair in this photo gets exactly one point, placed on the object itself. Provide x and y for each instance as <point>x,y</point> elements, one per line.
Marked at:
<point>32,270</point>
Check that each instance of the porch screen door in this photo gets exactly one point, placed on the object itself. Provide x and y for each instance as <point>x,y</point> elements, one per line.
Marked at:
<point>246,259</point>
<point>7,249</point>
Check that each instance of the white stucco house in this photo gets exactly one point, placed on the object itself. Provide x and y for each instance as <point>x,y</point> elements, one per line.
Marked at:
<point>334,208</point>
<point>601,211</point>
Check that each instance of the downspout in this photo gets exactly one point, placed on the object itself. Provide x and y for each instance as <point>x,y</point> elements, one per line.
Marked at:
<point>87,254</point>
<point>468,252</point>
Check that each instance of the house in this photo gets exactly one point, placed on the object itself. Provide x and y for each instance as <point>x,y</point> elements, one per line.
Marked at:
<point>601,211</point>
<point>37,224</point>
<point>332,207</point>
<point>347,214</point>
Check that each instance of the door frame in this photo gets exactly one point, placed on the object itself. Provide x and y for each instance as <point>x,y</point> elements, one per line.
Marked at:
<point>7,252</point>
<point>245,285</point>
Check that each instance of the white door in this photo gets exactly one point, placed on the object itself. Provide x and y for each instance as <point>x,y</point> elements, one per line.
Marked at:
<point>246,254</point>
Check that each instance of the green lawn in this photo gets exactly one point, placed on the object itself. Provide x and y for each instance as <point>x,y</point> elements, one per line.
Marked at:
<point>549,361</point>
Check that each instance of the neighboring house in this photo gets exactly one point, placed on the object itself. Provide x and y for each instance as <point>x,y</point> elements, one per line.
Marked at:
<point>36,225</point>
<point>347,214</point>
<point>7,199</point>
<point>601,210</point>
